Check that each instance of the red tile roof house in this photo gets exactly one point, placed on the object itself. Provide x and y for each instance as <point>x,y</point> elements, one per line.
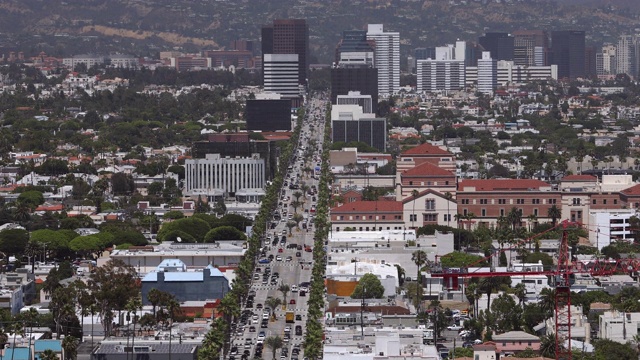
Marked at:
<point>426,153</point>
<point>425,176</point>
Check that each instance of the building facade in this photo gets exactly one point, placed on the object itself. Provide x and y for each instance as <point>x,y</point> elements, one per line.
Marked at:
<point>268,114</point>
<point>348,79</point>
<point>280,75</point>
<point>350,124</point>
<point>436,75</point>
<point>225,173</point>
<point>568,49</point>
<point>499,44</point>
<point>487,74</point>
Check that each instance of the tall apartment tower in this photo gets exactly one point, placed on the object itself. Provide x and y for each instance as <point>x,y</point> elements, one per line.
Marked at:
<point>435,75</point>
<point>527,45</point>
<point>626,55</point>
<point>386,58</point>
<point>487,73</point>
<point>288,36</point>
<point>499,44</point>
<point>606,63</point>
<point>568,49</point>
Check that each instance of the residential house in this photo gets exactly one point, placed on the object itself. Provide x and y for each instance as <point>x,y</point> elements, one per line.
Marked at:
<point>619,326</point>
<point>426,153</point>
<point>515,341</point>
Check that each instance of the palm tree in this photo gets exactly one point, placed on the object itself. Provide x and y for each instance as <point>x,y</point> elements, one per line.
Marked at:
<point>547,301</point>
<point>284,289</point>
<point>469,217</point>
<point>548,346</point>
<point>274,343</point>
<point>297,195</point>
<point>70,346</point>
<point>532,220</point>
<point>488,285</point>
<point>48,355</point>
<point>297,218</point>
<point>272,303</point>
<point>419,257</point>
<point>414,194</point>
<point>290,226</point>
<point>554,213</point>
<point>295,204</point>
<point>514,217</point>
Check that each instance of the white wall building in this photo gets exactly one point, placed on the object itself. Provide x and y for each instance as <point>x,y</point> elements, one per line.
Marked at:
<point>356,98</point>
<point>229,174</point>
<point>280,74</point>
<point>386,58</point>
<point>608,225</point>
<point>619,326</point>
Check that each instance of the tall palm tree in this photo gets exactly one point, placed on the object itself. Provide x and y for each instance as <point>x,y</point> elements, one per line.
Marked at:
<point>488,286</point>
<point>547,301</point>
<point>297,195</point>
<point>469,217</point>
<point>419,257</point>
<point>554,213</point>
<point>532,220</point>
<point>514,217</point>
<point>284,289</point>
<point>274,343</point>
<point>414,194</point>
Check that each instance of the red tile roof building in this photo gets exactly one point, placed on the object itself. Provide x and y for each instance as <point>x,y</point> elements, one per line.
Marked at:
<point>426,153</point>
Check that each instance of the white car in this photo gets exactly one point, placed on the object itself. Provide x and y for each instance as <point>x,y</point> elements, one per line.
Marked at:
<point>454,327</point>
<point>294,288</point>
<point>278,258</point>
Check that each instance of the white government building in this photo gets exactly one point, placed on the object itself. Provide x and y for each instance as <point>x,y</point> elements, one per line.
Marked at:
<point>215,174</point>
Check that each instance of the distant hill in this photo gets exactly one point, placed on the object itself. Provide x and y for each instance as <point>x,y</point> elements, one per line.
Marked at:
<point>144,27</point>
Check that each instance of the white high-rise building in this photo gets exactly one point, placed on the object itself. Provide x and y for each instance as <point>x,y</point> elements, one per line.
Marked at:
<point>356,98</point>
<point>386,58</point>
<point>224,174</point>
<point>434,75</point>
<point>626,55</point>
<point>445,52</point>
<point>487,73</point>
<point>280,75</point>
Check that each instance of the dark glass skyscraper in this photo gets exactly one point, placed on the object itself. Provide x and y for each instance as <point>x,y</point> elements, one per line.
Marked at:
<point>288,36</point>
<point>353,41</point>
<point>499,44</point>
<point>568,53</point>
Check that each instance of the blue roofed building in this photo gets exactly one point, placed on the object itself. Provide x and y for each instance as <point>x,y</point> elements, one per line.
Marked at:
<point>39,346</point>
<point>171,276</point>
<point>19,353</point>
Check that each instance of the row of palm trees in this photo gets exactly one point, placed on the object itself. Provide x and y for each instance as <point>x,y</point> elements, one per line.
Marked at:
<point>217,340</point>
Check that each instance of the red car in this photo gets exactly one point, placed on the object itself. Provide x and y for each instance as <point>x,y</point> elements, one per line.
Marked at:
<point>280,250</point>
<point>292,301</point>
<point>308,249</point>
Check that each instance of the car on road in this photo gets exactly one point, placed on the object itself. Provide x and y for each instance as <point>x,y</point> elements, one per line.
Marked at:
<point>302,293</point>
<point>264,261</point>
<point>294,288</point>
<point>280,250</point>
<point>298,317</point>
<point>252,329</point>
<point>454,327</point>
<point>298,254</point>
<point>292,302</point>
<point>289,258</point>
<point>278,258</point>
<point>298,330</point>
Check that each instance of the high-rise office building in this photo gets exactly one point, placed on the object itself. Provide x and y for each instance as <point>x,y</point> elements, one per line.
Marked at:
<point>347,79</point>
<point>288,36</point>
<point>499,44</point>
<point>487,74</point>
<point>434,75</point>
<point>354,49</point>
<point>525,43</point>
<point>626,55</point>
<point>350,124</point>
<point>355,98</point>
<point>280,75</point>
<point>590,61</point>
<point>386,58</point>
<point>568,50</point>
<point>268,112</point>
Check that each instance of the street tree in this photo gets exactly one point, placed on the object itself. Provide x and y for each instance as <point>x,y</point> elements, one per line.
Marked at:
<point>284,289</point>
<point>274,343</point>
<point>369,287</point>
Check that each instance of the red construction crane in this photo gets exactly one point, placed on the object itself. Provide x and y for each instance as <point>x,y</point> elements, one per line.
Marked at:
<point>560,278</point>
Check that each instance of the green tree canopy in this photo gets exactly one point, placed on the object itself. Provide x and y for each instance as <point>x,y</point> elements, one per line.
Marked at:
<point>13,241</point>
<point>224,233</point>
<point>195,227</point>
<point>90,244</point>
<point>460,259</point>
<point>368,287</point>
<point>31,199</point>
<point>54,240</point>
